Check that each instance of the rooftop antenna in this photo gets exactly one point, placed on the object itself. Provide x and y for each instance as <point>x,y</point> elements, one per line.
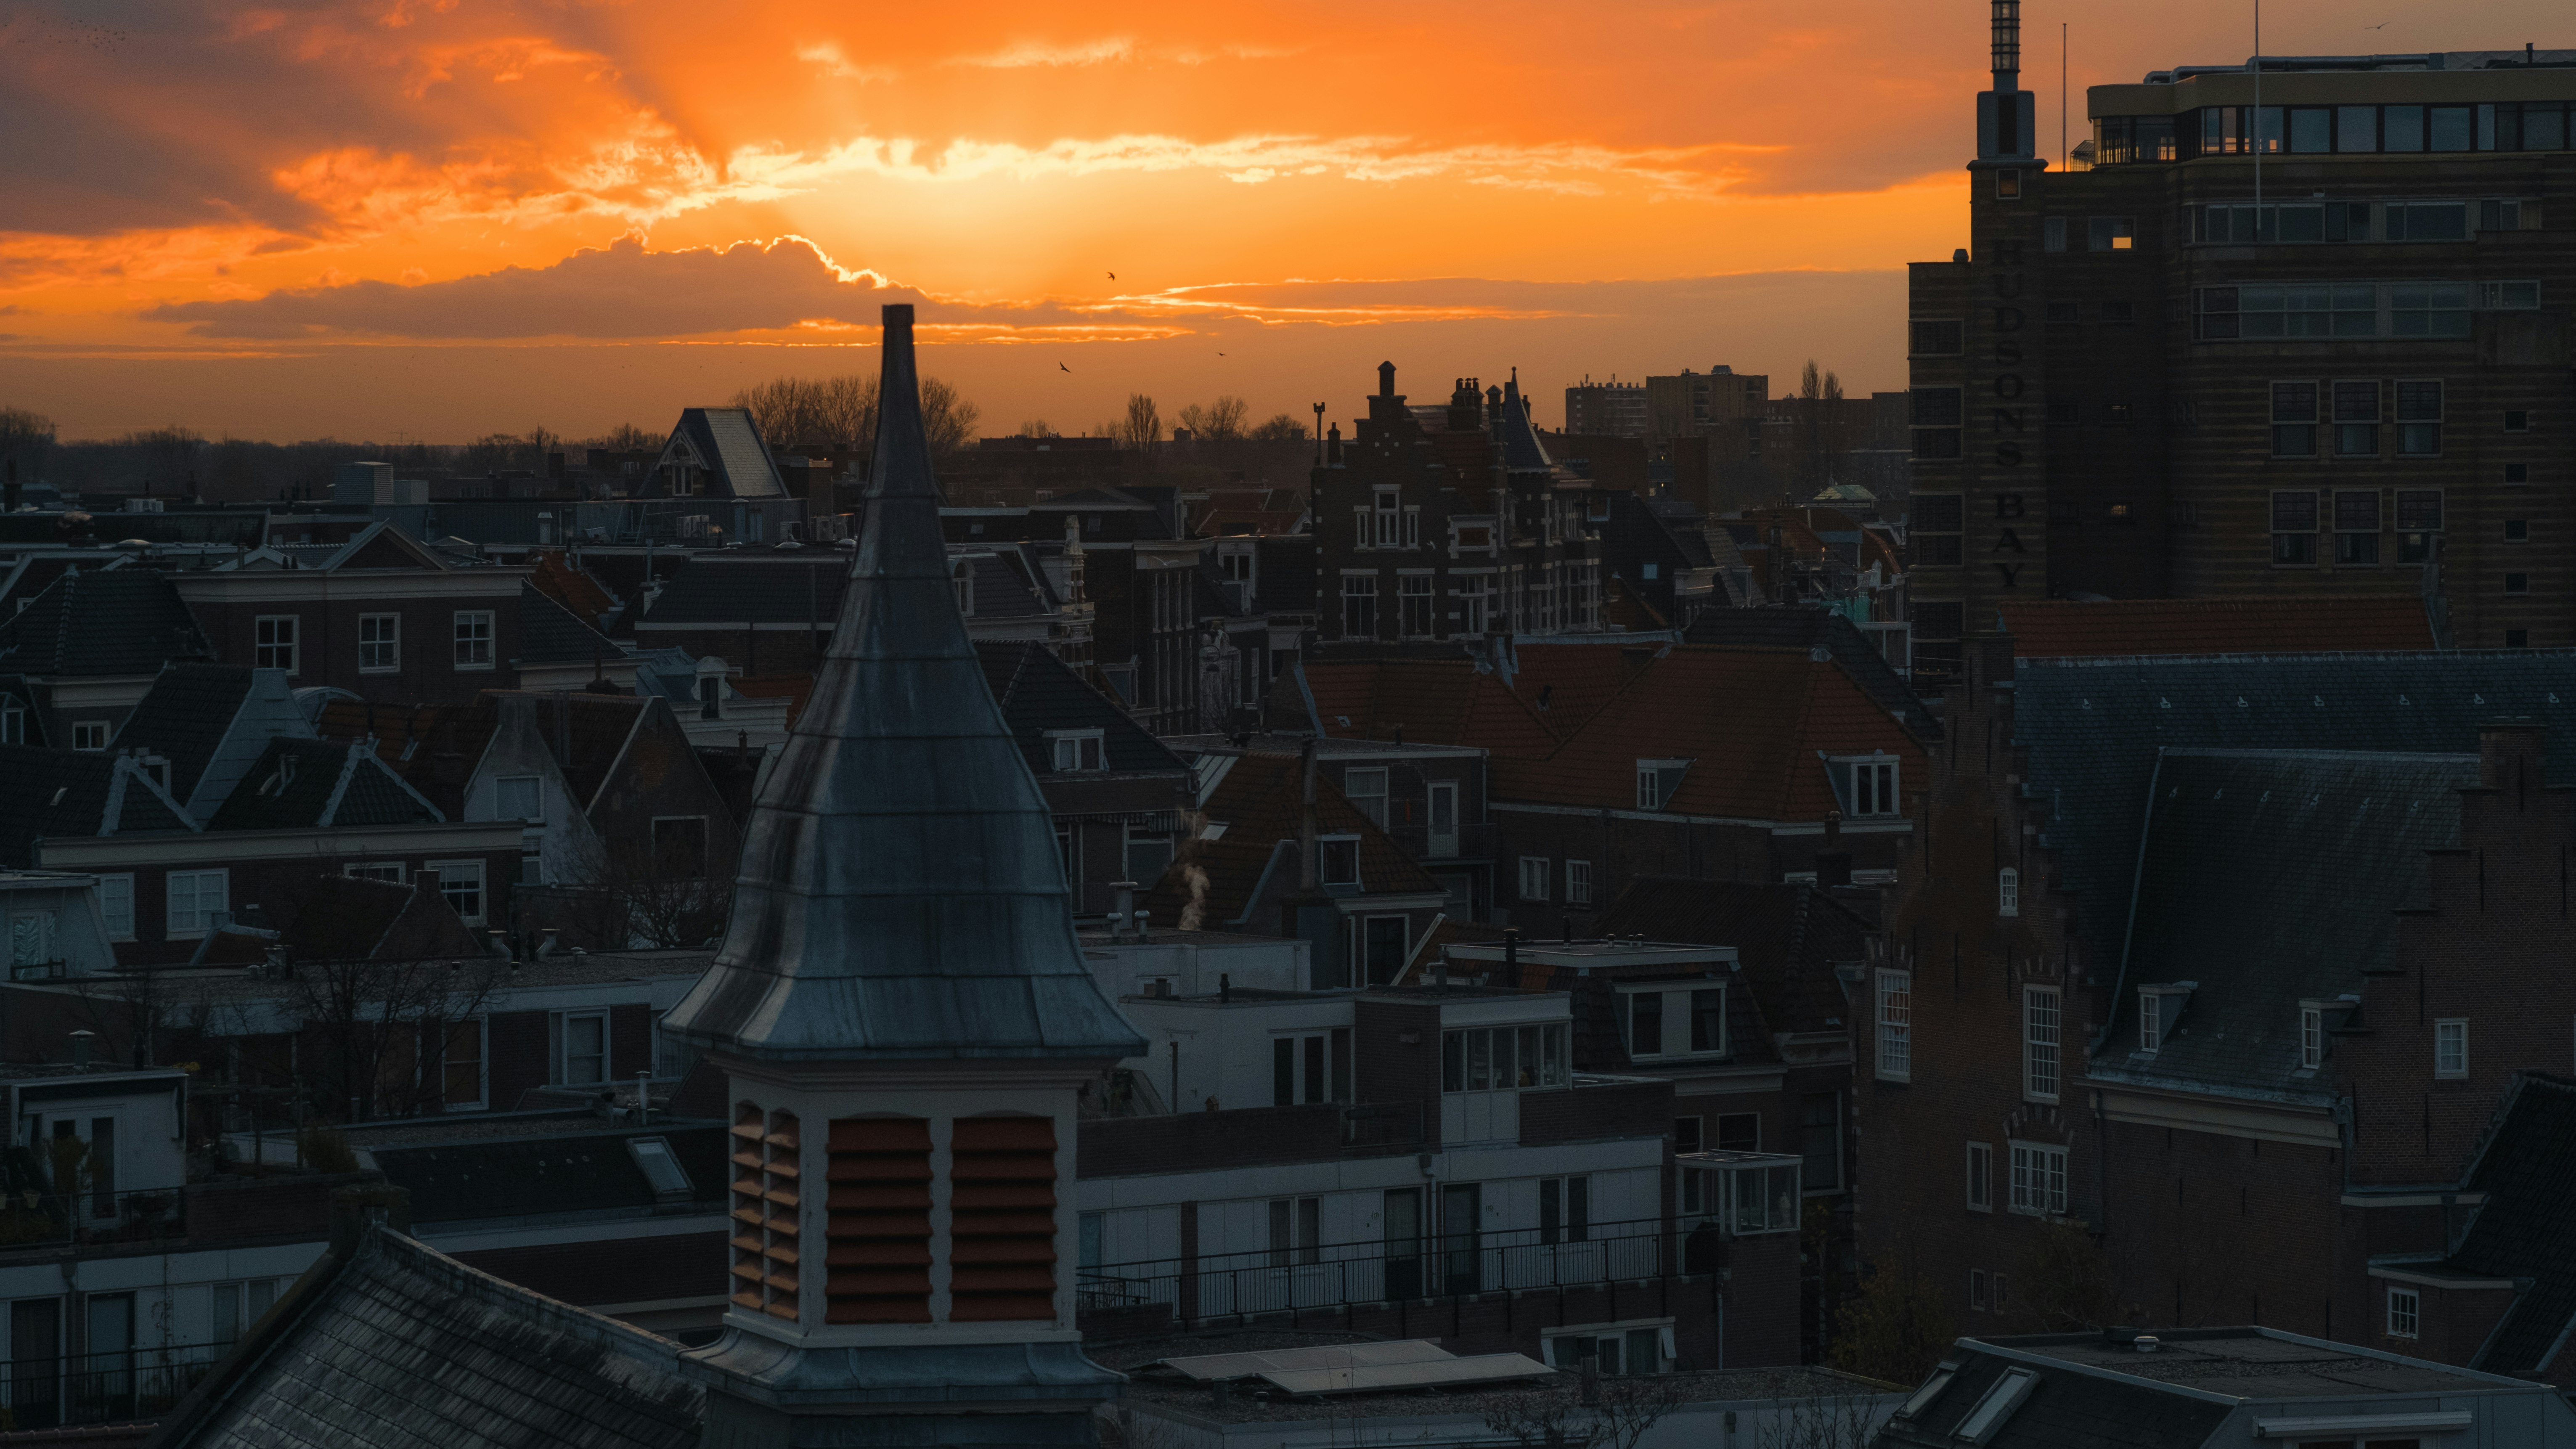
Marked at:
<point>2061,95</point>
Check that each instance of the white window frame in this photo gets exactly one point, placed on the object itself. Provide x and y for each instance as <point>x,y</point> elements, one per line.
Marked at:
<point>1871,785</point>
<point>559,1047</point>
<point>380,655</point>
<point>274,637</point>
<point>451,873</point>
<point>390,871</point>
<point>2151,1022</point>
<point>2451,1047</point>
<point>1065,752</point>
<point>536,785</point>
<point>2038,1179</point>
<point>2008,892</point>
<point>90,735</point>
<point>2312,1036</point>
<point>1355,588</point>
<point>2405,1312</point>
<point>477,640</point>
<point>1354,779</point>
<point>1578,882</point>
<point>1353,842</point>
<point>1654,789</point>
<point>482,1099</point>
<point>1676,1016</point>
<point>1981,1177</point>
<point>200,917</point>
<point>1894,1019</point>
<point>116,905</point>
<point>1417,593</point>
<point>1535,871</point>
<point>2043,1043</point>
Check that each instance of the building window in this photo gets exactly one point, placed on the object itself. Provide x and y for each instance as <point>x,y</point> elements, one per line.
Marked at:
<point>1687,1135</point>
<point>1413,605</point>
<point>1534,874</point>
<point>1896,1025</point>
<point>2517,421</point>
<point>2517,583</point>
<point>2405,1308</point>
<point>1366,790</point>
<point>2151,1020</point>
<point>1359,606</point>
<point>273,642</point>
<point>1739,1132</point>
<point>193,899</point>
<point>2419,518</point>
<point>2356,521</point>
<point>1614,1353</point>
<point>1578,882</point>
<point>461,1066</point>
<point>379,643</point>
<point>1337,859</point>
<point>1503,1058</point>
<point>2517,530</point>
<point>384,870</point>
<point>2038,1179</point>
<point>961,579</point>
<point>474,639</point>
<point>1937,339</point>
<point>1977,1290</point>
<point>2515,475</point>
<point>2007,892</point>
<point>2419,418</point>
<point>461,882</point>
<point>1657,780</point>
<point>2356,418</point>
<point>2294,420</point>
<point>1669,1022</point>
<point>2451,1047</point>
<point>519,797</point>
<point>1937,413</point>
<point>89,734</point>
<point>1564,1210</point>
<point>1311,1068</point>
<point>580,1042</point>
<point>2039,1038</point>
<point>2110,234</point>
<point>1074,751</point>
<point>1981,1177</point>
<point>116,906</point>
<point>1755,1198</point>
<point>2294,527</point>
<point>2312,1037</point>
<point>1475,603</point>
<point>1873,786</point>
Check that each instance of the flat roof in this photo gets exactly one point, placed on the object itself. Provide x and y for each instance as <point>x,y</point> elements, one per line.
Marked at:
<point>2252,1363</point>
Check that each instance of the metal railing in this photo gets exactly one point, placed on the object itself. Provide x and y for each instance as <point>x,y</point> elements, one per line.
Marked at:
<point>1333,1275</point>
<point>41,1392</point>
<point>41,1217</point>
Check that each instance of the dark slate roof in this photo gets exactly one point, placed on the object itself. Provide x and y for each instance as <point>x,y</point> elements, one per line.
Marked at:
<point>406,1348</point>
<point>1039,692</point>
<point>2065,1410</point>
<point>1518,436</point>
<point>101,621</point>
<point>2268,879</point>
<point>900,894</point>
<point>75,793</point>
<point>584,1172</point>
<point>31,696</point>
<point>184,716</point>
<point>2090,731</point>
<point>712,591</point>
<point>1813,629</point>
<point>298,784</point>
<point>549,633</point>
<point>2527,1229</point>
<point>1002,590</point>
<point>728,443</point>
<point>1789,937</point>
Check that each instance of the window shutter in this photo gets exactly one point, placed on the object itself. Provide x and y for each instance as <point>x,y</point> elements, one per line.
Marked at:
<point>1002,1219</point>
<point>765,1200</point>
<point>877,1221</point>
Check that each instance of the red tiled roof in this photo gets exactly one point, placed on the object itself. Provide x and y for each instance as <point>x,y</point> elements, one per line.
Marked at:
<point>1261,802</point>
<point>1566,683</point>
<point>556,578</point>
<point>1752,721</point>
<point>1434,701</point>
<point>2362,623</point>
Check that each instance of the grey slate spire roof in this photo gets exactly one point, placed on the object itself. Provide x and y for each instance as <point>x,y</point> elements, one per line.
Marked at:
<point>901,895</point>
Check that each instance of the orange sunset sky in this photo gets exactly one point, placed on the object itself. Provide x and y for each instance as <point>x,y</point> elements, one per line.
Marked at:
<point>442,218</point>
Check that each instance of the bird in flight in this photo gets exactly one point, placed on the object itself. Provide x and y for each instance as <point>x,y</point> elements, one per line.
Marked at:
<point>2383,25</point>
<point>1060,367</point>
<point>1113,276</point>
<point>1220,354</point>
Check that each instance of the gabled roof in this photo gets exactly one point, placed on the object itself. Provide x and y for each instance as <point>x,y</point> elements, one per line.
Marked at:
<point>2090,732</point>
<point>1519,440</point>
<point>345,918</point>
<point>549,633</point>
<point>726,443</point>
<point>1038,692</point>
<point>1789,937</point>
<point>1757,725</point>
<point>76,793</point>
<point>184,718</point>
<point>901,896</point>
<point>556,577</point>
<point>1431,701</point>
<point>2282,624</point>
<point>2527,1228</point>
<point>2268,878</point>
<point>301,784</point>
<point>393,1344</point>
<point>1260,800</point>
<point>1807,628</point>
<point>101,622</point>
<point>1568,682</point>
<point>436,748</point>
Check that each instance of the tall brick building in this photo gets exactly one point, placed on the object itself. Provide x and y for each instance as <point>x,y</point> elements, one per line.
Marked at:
<point>2295,329</point>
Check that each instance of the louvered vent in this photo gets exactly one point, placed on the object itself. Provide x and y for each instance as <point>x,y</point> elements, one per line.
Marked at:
<point>764,1210</point>
<point>877,1214</point>
<point>1002,1219</point>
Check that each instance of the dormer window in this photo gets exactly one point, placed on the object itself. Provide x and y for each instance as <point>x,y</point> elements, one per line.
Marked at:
<point>2312,1036</point>
<point>1676,1020</point>
<point>1337,860</point>
<point>962,575</point>
<point>1076,750</point>
<point>2008,892</point>
<point>1657,780</point>
<point>2150,1020</point>
<point>1869,785</point>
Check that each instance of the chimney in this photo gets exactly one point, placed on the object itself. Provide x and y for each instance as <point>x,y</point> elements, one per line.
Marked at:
<point>2509,757</point>
<point>1386,379</point>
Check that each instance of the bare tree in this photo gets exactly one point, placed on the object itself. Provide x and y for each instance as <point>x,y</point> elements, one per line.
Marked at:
<point>25,437</point>
<point>947,418</point>
<point>1142,428</point>
<point>380,1029</point>
<point>652,893</point>
<point>1845,1421</point>
<point>1895,1327</point>
<point>1037,428</point>
<point>624,438</point>
<point>2064,1278</point>
<point>790,411</point>
<point>169,457</point>
<point>1282,428</point>
<point>1591,1413</point>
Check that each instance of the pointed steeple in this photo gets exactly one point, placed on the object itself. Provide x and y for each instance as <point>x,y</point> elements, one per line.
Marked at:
<point>901,896</point>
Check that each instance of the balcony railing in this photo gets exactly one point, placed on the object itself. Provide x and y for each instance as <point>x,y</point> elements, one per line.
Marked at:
<point>41,1391</point>
<point>1337,1275</point>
